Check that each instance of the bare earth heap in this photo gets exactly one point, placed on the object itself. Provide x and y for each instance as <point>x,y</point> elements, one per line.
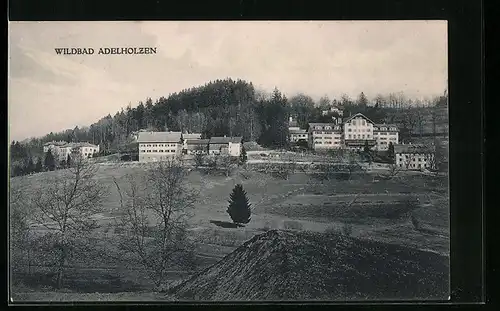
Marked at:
<point>281,265</point>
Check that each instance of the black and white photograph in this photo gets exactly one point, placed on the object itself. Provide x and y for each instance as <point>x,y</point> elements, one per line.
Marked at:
<point>228,161</point>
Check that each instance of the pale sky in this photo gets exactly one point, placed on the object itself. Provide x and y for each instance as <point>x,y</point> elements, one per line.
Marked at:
<point>50,92</point>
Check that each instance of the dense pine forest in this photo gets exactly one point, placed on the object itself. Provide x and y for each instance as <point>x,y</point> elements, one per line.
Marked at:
<point>234,108</point>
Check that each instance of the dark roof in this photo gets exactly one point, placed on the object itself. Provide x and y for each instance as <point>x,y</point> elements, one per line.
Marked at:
<point>225,140</point>
<point>191,136</point>
<point>56,143</point>
<point>154,137</point>
<point>410,148</point>
<point>197,141</point>
<point>299,131</point>
<point>358,115</point>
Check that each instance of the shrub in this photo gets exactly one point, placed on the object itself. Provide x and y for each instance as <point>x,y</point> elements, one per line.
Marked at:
<point>292,225</point>
<point>346,229</point>
<point>415,222</point>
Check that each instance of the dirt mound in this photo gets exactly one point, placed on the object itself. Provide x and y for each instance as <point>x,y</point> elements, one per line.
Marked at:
<point>280,265</point>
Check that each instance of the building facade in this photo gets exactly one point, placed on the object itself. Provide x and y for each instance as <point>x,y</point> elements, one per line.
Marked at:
<point>61,150</point>
<point>414,157</point>
<point>322,136</point>
<point>191,137</point>
<point>297,135</point>
<point>159,146</point>
<point>352,133</point>
<point>225,145</point>
<point>385,134</point>
<point>196,146</point>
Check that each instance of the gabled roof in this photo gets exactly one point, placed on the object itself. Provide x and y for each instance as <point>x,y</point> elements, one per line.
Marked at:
<point>159,137</point>
<point>359,115</point>
<point>225,140</point>
<point>410,148</point>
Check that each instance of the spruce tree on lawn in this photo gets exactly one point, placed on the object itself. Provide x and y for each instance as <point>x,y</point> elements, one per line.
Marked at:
<point>239,206</point>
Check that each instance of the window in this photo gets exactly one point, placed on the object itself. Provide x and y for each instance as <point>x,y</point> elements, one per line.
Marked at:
<point>160,150</point>
<point>363,136</point>
<point>328,127</point>
<point>155,150</point>
<point>318,127</point>
<point>353,122</point>
<point>349,135</point>
<point>148,151</point>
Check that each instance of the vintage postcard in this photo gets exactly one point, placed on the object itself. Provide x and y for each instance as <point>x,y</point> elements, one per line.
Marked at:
<point>228,161</point>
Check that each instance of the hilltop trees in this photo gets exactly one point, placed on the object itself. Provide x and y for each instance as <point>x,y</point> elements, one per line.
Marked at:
<point>274,117</point>
<point>239,206</point>
<point>64,206</point>
<point>156,208</point>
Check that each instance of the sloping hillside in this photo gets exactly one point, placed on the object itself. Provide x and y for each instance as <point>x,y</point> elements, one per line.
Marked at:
<point>279,265</point>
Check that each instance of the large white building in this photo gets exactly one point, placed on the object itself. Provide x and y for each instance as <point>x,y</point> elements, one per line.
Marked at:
<point>158,146</point>
<point>385,134</point>
<point>61,149</point>
<point>352,133</point>
<point>414,157</point>
<point>323,136</point>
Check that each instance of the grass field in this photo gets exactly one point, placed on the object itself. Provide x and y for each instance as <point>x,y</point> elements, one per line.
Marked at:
<point>377,210</point>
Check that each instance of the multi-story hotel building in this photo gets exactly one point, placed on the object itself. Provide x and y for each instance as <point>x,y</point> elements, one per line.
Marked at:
<point>385,134</point>
<point>323,136</point>
<point>352,133</point>
<point>158,146</point>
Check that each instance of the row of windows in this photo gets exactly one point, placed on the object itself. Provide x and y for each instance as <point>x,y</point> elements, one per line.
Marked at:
<point>384,133</point>
<point>361,122</point>
<point>167,150</point>
<point>299,135</point>
<point>415,165</point>
<point>360,130</point>
<point>158,145</point>
<point>326,143</point>
<point>360,136</point>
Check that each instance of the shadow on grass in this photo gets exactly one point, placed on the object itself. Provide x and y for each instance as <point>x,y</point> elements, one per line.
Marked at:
<point>225,224</point>
<point>80,282</point>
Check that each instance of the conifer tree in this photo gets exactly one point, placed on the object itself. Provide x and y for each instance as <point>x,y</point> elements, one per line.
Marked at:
<point>239,206</point>
<point>50,162</point>
<point>243,155</point>
<point>68,161</point>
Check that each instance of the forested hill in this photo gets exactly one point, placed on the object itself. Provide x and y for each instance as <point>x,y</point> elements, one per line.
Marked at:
<point>221,107</point>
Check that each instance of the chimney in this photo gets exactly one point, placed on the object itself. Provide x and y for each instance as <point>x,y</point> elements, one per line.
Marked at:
<point>290,119</point>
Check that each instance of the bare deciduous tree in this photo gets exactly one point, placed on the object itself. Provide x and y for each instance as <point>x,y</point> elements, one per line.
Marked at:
<point>64,207</point>
<point>156,208</point>
<point>20,231</point>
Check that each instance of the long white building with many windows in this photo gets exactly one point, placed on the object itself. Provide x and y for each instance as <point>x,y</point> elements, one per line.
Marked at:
<point>159,146</point>
<point>353,133</point>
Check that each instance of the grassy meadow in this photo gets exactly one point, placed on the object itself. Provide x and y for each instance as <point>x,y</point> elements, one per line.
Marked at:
<point>374,209</point>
